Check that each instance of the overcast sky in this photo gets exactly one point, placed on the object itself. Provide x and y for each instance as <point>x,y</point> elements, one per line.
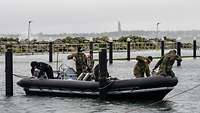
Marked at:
<point>67,16</point>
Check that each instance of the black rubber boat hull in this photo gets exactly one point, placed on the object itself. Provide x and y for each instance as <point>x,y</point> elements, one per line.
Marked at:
<point>152,88</point>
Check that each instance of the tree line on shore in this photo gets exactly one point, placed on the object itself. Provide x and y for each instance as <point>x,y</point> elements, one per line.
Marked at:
<point>69,43</point>
<point>82,40</point>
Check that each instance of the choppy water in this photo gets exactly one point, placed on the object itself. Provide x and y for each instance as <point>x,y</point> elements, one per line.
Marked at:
<point>188,76</point>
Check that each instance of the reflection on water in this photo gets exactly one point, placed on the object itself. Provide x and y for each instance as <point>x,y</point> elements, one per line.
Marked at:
<point>188,76</point>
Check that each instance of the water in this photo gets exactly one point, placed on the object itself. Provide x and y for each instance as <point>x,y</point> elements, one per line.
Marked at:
<point>188,76</point>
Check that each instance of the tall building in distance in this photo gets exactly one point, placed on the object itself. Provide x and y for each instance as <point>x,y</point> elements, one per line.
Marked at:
<point>119,26</point>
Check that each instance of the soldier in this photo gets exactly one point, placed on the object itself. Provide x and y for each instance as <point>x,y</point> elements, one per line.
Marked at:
<point>142,66</point>
<point>88,75</point>
<point>97,73</point>
<point>166,62</point>
<point>41,70</point>
<point>90,63</point>
<point>80,61</point>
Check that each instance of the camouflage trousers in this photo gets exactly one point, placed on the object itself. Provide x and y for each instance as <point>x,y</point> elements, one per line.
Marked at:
<point>167,73</point>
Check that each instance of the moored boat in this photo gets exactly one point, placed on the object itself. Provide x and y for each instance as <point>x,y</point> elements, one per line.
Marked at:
<point>151,88</point>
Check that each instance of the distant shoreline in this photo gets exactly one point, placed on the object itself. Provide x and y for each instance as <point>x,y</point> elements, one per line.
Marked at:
<point>186,35</point>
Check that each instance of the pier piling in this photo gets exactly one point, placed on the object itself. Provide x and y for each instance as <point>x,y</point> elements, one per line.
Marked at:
<point>178,52</point>
<point>128,48</point>
<point>194,48</point>
<point>103,73</point>
<point>9,71</point>
<point>91,48</point>
<point>50,52</point>
<point>110,51</point>
<point>162,48</point>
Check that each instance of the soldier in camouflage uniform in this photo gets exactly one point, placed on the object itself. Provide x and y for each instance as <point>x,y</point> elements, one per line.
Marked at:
<point>90,63</point>
<point>80,60</point>
<point>87,76</point>
<point>142,66</point>
<point>166,62</point>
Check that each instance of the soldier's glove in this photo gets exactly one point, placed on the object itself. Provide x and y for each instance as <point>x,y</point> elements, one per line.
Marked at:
<point>153,72</point>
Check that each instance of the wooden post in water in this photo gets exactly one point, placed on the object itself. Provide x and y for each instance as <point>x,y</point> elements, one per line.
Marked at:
<point>194,47</point>
<point>110,50</point>
<point>103,73</point>
<point>9,71</point>
<point>162,47</point>
<point>103,63</point>
<point>91,48</point>
<point>128,48</point>
<point>179,50</point>
<point>50,52</point>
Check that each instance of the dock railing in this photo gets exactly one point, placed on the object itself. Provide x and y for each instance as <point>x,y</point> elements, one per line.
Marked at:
<point>43,48</point>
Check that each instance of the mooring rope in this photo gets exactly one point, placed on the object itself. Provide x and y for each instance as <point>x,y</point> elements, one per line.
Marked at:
<point>21,76</point>
<point>177,94</point>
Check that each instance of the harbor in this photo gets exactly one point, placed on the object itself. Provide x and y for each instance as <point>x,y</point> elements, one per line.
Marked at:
<point>186,74</point>
<point>105,56</point>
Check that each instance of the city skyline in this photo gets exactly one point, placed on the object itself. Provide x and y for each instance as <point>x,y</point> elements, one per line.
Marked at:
<point>89,16</point>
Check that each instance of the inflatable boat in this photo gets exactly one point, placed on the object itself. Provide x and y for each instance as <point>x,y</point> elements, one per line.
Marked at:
<point>151,88</point>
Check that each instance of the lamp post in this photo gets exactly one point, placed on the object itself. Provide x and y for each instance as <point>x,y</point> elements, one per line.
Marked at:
<point>157,29</point>
<point>128,48</point>
<point>29,29</point>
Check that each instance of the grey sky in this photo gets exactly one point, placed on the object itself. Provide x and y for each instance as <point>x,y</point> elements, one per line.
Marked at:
<point>59,16</point>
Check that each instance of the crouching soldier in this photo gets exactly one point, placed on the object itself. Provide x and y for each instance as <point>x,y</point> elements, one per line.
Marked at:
<point>166,62</point>
<point>41,70</point>
<point>142,66</point>
<point>80,60</point>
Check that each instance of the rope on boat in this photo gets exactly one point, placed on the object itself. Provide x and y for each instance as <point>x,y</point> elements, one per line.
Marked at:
<point>177,94</point>
<point>107,85</point>
<point>21,76</point>
<point>196,86</point>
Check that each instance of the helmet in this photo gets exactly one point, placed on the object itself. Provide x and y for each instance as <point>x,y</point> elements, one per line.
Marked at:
<point>34,63</point>
<point>150,58</point>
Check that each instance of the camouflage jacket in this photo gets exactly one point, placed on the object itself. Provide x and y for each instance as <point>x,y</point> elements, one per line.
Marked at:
<point>90,64</point>
<point>141,67</point>
<point>80,60</point>
<point>166,62</point>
